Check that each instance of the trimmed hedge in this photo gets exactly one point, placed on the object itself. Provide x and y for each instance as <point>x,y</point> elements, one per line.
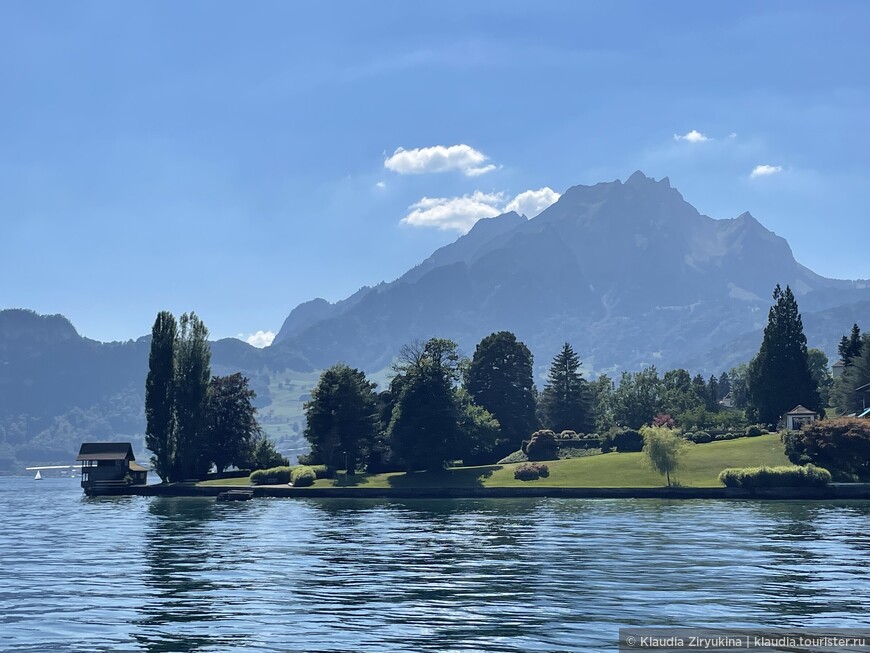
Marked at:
<point>515,457</point>
<point>542,446</point>
<point>272,476</point>
<point>784,476</point>
<point>303,476</point>
<point>531,471</point>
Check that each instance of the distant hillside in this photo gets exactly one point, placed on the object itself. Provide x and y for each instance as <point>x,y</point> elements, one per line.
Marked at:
<point>630,273</point>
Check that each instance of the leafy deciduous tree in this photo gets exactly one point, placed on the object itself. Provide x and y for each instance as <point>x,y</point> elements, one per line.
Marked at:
<point>499,379</point>
<point>233,431</point>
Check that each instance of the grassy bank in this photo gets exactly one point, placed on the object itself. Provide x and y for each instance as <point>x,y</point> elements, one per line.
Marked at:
<point>700,468</point>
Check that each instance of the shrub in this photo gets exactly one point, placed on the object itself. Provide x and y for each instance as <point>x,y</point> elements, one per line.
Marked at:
<point>303,476</point>
<point>271,476</point>
<point>607,442</point>
<point>577,452</point>
<point>701,437</point>
<point>568,435</point>
<point>841,445</point>
<point>323,471</point>
<point>542,446</point>
<point>663,419</point>
<point>785,476</point>
<point>515,457</point>
<point>531,471</point>
<point>628,440</point>
<point>753,431</point>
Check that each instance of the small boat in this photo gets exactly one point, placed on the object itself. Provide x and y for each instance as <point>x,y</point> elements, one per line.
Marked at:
<point>236,495</point>
<point>38,476</point>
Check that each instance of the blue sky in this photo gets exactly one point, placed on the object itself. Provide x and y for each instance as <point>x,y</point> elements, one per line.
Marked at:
<point>237,159</point>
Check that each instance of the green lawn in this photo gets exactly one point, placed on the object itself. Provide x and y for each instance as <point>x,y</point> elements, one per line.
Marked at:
<point>700,468</point>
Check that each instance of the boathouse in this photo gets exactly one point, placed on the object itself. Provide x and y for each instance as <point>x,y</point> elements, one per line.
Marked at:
<point>109,465</point>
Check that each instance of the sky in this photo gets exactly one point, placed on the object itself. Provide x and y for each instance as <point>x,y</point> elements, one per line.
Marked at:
<point>236,159</point>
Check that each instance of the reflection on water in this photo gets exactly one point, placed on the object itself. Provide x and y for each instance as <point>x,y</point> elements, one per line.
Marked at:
<point>160,575</point>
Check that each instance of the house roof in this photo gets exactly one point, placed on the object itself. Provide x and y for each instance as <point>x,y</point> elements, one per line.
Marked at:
<point>136,467</point>
<point>839,364</point>
<point>800,410</point>
<point>862,388</point>
<point>106,451</point>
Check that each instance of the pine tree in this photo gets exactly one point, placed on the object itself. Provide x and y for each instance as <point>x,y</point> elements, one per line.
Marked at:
<point>779,376</point>
<point>850,346</point>
<point>192,376</point>
<point>724,384</point>
<point>160,395</point>
<point>712,394</point>
<point>499,379</point>
<point>565,402</point>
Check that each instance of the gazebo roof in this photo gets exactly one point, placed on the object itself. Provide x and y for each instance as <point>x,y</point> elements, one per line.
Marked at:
<point>800,410</point>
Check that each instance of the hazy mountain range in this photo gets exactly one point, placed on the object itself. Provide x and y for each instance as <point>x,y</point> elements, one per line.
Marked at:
<point>629,273</point>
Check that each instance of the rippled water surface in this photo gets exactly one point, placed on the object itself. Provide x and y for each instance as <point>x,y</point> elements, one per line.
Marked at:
<point>157,574</point>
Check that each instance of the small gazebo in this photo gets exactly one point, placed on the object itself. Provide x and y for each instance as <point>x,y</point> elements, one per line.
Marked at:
<point>798,416</point>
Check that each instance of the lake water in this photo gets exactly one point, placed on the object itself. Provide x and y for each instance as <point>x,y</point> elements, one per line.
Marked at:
<point>160,574</point>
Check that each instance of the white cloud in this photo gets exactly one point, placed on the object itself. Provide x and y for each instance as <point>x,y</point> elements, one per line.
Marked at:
<point>693,136</point>
<point>460,213</point>
<point>764,171</point>
<point>531,202</point>
<point>381,184</point>
<point>439,158</point>
<point>259,339</point>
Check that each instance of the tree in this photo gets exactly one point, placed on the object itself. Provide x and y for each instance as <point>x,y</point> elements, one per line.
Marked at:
<point>264,455</point>
<point>232,427</point>
<point>779,375</point>
<point>160,395</point>
<point>192,376</point>
<point>712,395</point>
<point>678,392</point>
<point>845,394</point>
<point>850,346</point>
<point>638,398</point>
<point>821,373</point>
<point>499,379</point>
<point>724,384</point>
<point>601,395</point>
<point>662,449</point>
<point>342,416</point>
<point>737,378</point>
<point>565,402</point>
<point>479,432</point>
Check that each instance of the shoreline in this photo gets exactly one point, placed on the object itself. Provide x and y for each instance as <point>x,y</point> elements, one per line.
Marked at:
<point>846,491</point>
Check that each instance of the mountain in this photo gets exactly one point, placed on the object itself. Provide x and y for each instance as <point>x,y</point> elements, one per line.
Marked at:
<point>630,273</point>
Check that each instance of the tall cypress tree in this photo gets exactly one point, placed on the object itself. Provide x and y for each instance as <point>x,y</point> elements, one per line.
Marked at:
<point>160,395</point>
<point>566,401</point>
<point>192,376</point>
<point>779,376</point>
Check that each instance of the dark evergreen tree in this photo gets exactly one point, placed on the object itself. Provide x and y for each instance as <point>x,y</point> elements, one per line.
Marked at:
<point>845,394</point>
<point>821,373</point>
<point>342,417</point>
<point>712,395</point>
<point>233,430</point>
<point>724,384</point>
<point>160,395</point>
<point>850,346</point>
<point>499,378</point>
<point>565,402</point>
<point>699,386</point>
<point>779,376</point>
<point>192,376</point>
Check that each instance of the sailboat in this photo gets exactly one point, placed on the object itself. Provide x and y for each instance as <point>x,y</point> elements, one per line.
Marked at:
<point>38,476</point>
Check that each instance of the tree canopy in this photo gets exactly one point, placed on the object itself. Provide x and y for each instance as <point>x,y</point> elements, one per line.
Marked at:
<point>779,376</point>
<point>342,416</point>
<point>499,378</point>
<point>566,401</point>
